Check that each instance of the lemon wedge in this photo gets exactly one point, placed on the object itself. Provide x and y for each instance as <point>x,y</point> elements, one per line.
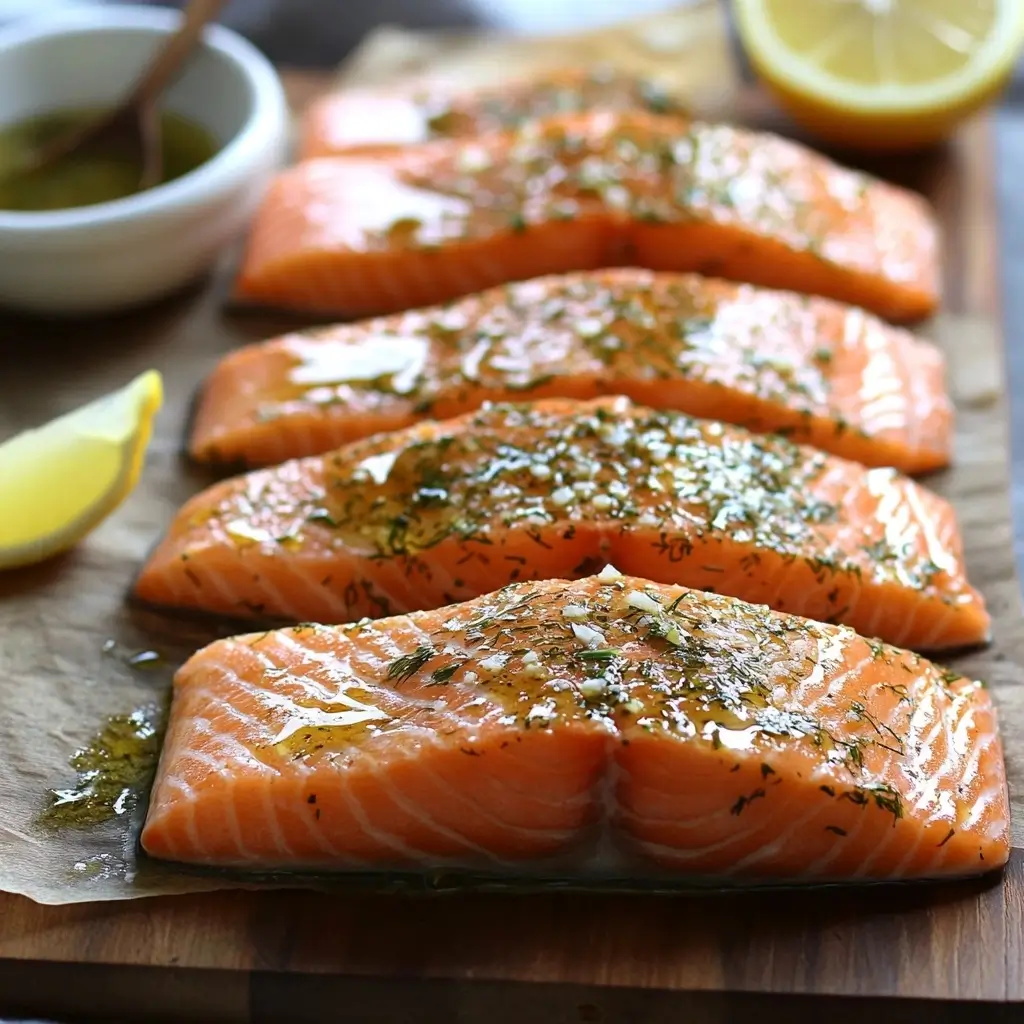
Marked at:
<point>59,481</point>
<point>882,74</point>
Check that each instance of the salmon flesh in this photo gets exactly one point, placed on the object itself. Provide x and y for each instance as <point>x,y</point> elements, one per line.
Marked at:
<point>378,120</point>
<point>358,236</point>
<point>823,373</point>
<point>445,511</point>
<point>609,726</point>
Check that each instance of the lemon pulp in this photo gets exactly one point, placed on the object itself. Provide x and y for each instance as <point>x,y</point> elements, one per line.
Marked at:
<point>882,74</point>
<point>59,481</point>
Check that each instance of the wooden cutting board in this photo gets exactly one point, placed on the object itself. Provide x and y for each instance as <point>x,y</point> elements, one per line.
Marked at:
<point>557,957</point>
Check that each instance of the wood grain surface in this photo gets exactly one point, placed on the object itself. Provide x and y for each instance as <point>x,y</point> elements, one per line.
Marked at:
<point>558,957</point>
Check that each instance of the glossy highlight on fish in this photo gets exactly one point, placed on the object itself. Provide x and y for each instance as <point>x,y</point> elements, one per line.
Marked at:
<point>446,511</point>
<point>823,373</point>
<point>379,120</point>
<point>608,726</point>
<point>360,236</point>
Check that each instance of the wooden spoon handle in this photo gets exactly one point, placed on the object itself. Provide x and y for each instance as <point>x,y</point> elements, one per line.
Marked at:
<point>167,63</point>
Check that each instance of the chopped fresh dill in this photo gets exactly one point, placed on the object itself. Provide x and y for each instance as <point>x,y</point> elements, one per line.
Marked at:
<point>408,665</point>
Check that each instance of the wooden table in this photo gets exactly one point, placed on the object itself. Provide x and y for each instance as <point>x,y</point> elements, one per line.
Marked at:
<point>887,952</point>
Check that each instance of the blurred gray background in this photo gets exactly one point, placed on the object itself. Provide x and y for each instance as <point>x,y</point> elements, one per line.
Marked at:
<point>319,33</point>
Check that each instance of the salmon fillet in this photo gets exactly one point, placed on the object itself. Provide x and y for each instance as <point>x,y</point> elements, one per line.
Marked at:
<point>607,726</point>
<point>368,120</point>
<point>823,373</point>
<point>358,236</point>
<point>443,512</point>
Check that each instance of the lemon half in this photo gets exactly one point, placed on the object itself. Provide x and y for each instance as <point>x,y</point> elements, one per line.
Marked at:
<point>59,481</point>
<point>882,74</point>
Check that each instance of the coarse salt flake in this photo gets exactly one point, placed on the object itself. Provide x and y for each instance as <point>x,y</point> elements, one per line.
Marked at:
<point>540,712</point>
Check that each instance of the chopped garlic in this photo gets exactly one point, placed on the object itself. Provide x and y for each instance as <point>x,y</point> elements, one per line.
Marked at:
<point>590,636</point>
<point>473,158</point>
<point>682,151</point>
<point>470,677</point>
<point>589,328</point>
<point>617,196</point>
<point>530,658</point>
<point>614,433</point>
<point>239,529</point>
<point>602,502</point>
<point>540,470</point>
<point>575,611</point>
<point>562,496</point>
<point>609,572</point>
<point>659,451</point>
<point>593,687</point>
<point>644,602</point>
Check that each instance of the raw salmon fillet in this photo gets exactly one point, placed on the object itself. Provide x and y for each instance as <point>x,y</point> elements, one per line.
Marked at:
<point>608,725</point>
<point>358,236</point>
<point>823,373</point>
<point>368,120</point>
<point>442,512</point>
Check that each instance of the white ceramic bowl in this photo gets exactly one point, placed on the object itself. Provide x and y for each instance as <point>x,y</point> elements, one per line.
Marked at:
<point>118,254</point>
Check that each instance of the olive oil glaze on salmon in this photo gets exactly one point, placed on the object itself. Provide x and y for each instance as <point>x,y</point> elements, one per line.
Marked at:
<point>821,372</point>
<point>605,726</point>
<point>358,236</point>
<point>446,511</point>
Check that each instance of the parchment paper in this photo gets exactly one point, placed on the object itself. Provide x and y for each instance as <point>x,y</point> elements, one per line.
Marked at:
<point>686,49</point>
<point>60,678</point>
